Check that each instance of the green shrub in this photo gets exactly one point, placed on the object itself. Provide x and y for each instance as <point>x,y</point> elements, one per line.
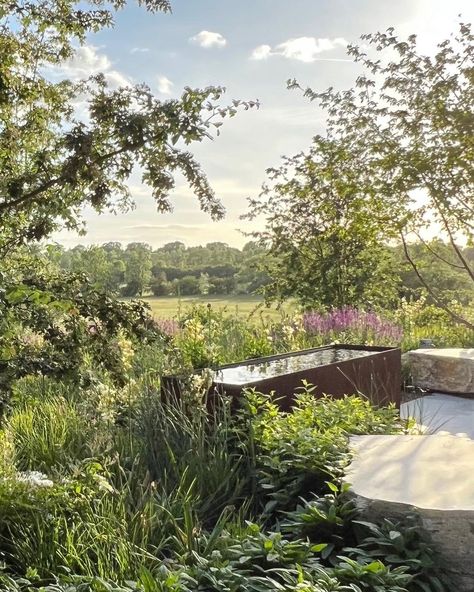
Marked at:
<point>405,543</point>
<point>326,521</point>
<point>373,576</point>
<point>299,452</point>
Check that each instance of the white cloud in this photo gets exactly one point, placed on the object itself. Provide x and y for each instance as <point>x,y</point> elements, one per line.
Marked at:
<point>208,39</point>
<point>262,52</point>
<point>87,61</point>
<point>303,49</point>
<point>165,86</point>
<point>139,50</point>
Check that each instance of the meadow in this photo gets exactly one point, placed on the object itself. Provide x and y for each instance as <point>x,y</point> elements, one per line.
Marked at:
<point>244,306</point>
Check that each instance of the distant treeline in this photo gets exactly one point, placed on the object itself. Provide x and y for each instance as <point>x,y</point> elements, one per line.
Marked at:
<point>218,269</point>
<point>172,270</point>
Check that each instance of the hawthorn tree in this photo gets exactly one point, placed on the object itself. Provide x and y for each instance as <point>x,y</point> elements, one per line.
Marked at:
<point>66,144</point>
<point>55,158</point>
<point>409,122</point>
<point>407,132</point>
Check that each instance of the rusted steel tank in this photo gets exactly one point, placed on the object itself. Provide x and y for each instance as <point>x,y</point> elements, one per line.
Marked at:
<point>336,370</point>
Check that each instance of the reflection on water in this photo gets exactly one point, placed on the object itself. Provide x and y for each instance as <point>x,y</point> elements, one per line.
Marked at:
<point>254,372</point>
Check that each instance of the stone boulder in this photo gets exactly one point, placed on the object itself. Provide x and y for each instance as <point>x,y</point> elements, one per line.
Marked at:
<point>431,476</point>
<point>448,370</point>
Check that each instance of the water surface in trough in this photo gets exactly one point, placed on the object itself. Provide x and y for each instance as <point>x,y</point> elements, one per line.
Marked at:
<point>287,365</point>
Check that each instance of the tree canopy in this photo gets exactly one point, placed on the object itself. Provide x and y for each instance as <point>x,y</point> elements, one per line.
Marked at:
<point>406,131</point>
<point>66,144</point>
<point>56,157</point>
<point>324,236</point>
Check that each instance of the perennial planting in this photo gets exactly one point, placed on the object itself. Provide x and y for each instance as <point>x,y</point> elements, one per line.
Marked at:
<point>174,498</point>
<point>103,487</point>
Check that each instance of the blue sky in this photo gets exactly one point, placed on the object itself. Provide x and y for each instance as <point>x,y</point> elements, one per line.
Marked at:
<point>251,47</point>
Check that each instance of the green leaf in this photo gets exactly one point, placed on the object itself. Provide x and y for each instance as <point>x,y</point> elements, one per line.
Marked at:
<point>318,548</point>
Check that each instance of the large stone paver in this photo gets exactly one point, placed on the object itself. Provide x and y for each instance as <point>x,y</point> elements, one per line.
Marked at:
<point>441,414</point>
<point>393,476</point>
<point>430,472</point>
<point>449,370</point>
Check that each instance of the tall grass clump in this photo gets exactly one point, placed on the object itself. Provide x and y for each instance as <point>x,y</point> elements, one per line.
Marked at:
<point>196,446</point>
<point>79,525</point>
<point>49,434</point>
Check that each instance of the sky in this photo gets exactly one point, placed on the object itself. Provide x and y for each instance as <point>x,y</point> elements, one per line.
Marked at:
<point>251,47</point>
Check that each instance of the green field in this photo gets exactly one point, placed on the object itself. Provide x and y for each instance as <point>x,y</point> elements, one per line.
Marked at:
<point>170,306</point>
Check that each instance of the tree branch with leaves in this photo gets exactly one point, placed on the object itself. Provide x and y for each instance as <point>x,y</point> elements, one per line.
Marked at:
<point>408,127</point>
<point>68,144</point>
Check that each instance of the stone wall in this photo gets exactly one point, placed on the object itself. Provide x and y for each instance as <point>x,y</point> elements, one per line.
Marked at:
<point>452,533</point>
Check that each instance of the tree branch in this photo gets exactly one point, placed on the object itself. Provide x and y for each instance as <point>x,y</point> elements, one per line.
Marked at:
<point>31,195</point>
<point>438,302</point>
<point>437,255</point>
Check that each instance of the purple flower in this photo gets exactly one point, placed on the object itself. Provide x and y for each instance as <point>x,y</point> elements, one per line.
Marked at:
<point>361,325</point>
<point>169,327</point>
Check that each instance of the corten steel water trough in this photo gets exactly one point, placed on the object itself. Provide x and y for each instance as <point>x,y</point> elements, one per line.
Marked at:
<point>336,370</point>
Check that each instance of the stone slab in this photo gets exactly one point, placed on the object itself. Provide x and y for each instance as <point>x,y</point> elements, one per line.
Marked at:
<point>434,472</point>
<point>433,476</point>
<point>441,414</point>
<point>449,370</point>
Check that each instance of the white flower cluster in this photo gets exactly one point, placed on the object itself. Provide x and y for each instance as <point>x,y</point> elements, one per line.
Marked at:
<point>34,478</point>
